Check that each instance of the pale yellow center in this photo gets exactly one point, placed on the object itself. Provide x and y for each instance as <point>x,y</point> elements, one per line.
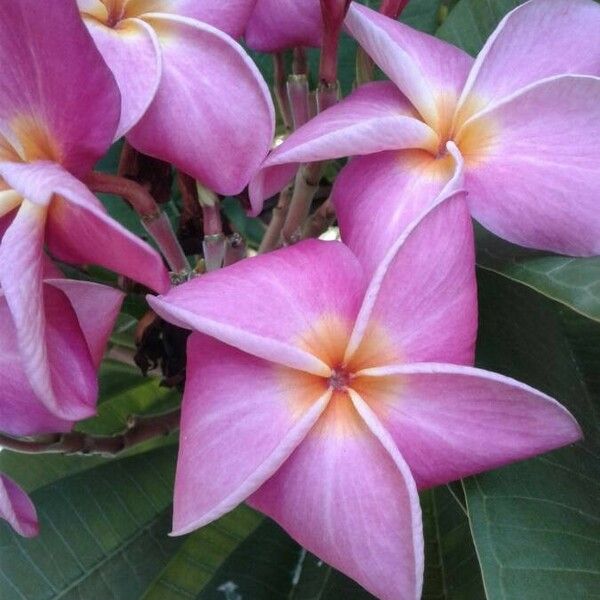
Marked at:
<point>474,138</point>
<point>26,140</point>
<point>328,340</point>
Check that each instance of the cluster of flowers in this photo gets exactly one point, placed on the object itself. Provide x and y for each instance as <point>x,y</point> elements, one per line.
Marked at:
<point>345,382</point>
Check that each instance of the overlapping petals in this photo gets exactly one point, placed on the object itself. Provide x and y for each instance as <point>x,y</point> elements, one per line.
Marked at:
<point>320,396</point>
<point>190,94</point>
<point>16,508</point>
<point>49,356</point>
<point>375,118</point>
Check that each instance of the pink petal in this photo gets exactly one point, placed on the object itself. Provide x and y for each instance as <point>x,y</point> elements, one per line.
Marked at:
<point>132,52</point>
<point>17,508</point>
<point>534,178</point>
<point>430,72</point>
<point>73,128</point>
<point>97,308</point>
<point>539,39</point>
<point>375,117</point>
<point>377,196</point>
<point>21,412</point>
<point>212,115</point>
<point>276,25</point>
<point>78,228</point>
<point>452,421</point>
<point>229,16</point>
<point>236,401</point>
<point>421,303</point>
<point>53,353</point>
<point>266,305</point>
<point>346,495</point>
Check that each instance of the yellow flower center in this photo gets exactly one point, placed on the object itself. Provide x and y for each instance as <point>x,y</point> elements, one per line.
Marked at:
<point>328,340</point>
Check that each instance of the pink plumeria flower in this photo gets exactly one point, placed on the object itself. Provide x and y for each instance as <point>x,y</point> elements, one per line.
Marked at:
<point>54,125</point>
<point>524,116</point>
<point>327,394</point>
<point>276,25</point>
<point>79,317</point>
<point>190,94</point>
<point>17,509</point>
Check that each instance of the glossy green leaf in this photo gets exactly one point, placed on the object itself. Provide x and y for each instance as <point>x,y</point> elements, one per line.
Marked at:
<point>470,22</point>
<point>574,282</point>
<point>451,568</point>
<point>103,532</point>
<point>125,392</point>
<point>242,555</point>
<point>536,524</point>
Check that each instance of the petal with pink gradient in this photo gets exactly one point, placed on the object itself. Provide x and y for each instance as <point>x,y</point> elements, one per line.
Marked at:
<point>36,115</point>
<point>21,411</point>
<point>377,196</point>
<point>17,508</point>
<point>422,298</point>
<point>534,179</point>
<point>346,495</point>
<point>21,273</point>
<point>374,118</point>
<point>277,25</point>
<point>79,230</point>
<point>229,16</point>
<point>234,436</point>
<point>267,305</point>
<point>212,115</point>
<point>430,72</point>
<point>132,52</point>
<point>538,39</point>
<point>52,350</point>
<point>97,308</point>
<point>452,421</point>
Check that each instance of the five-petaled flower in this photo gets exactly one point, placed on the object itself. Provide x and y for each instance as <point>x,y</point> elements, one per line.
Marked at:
<point>524,116</point>
<point>339,390</point>
<point>54,125</point>
<point>190,94</point>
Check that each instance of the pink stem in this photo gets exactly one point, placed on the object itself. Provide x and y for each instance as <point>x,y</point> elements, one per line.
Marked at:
<point>154,221</point>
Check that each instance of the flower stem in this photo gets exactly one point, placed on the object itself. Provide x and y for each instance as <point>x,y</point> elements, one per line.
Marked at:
<point>214,243</point>
<point>272,235</point>
<point>279,90</point>
<point>154,221</point>
<point>139,429</point>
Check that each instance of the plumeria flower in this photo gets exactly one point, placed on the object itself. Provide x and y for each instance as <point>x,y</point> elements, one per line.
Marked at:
<point>276,25</point>
<point>54,125</point>
<point>326,394</point>
<point>524,116</point>
<point>79,317</point>
<point>190,94</point>
<point>17,509</point>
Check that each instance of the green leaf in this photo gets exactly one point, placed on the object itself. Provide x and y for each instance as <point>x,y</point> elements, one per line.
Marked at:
<point>103,532</point>
<point>574,282</point>
<point>470,22</point>
<point>536,524</point>
<point>451,567</point>
<point>242,555</point>
<point>250,228</point>
<point>124,392</point>
<point>316,580</point>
